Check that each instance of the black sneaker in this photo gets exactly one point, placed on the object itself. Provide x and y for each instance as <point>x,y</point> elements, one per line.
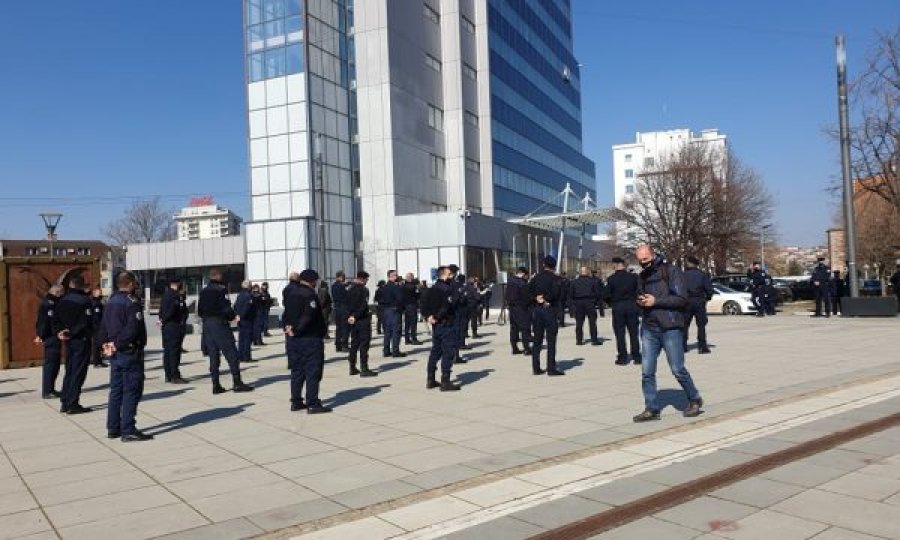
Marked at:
<point>636,360</point>
<point>460,360</point>
<point>621,361</point>
<point>137,436</point>
<point>399,355</point>
<point>555,373</point>
<point>704,350</point>
<point>242,387</point>
<point>78,409</point>
<point>447,386</point>
<point>432,384</point>
<point>517,351</point>
<point>179,380</point>
<point>298,406</point>
<point>353,370</point>
<point>218,389</point>
<point>318,409</point>
<point>538,371</point>
<point>113,434</point>
<point>597,342</point>
<point>646,416</point>
<point>368,373</point>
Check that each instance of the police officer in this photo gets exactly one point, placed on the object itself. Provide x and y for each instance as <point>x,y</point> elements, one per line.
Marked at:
<point>304,327</point>
<point>324,292</point>
<point>699,292</point>
<point>895,283</point>
<point>821,281</point>
<point>259,306</point>
<point>360,320</point>
<point>565,300</point>
<point>171,320</point>
<point>339,301</point>
<point>96,317</point>
<point>472,307</point>
<point>267,303</point>
<point>621,292</point>
<point>246,308</point>
<point>391,308</point>
<point>47,337</point>
<point>546,291</point>
<point>379,313</point>
<point>124,335</point>
<point>838,291</point>
<point>585,294</point>
<point>72,324</point>
<point>601,309</point>
<point>757,278</point>
<point>411,294</point>
<point>518,302</point>
<point>439,305</point>
<point>214,308</point>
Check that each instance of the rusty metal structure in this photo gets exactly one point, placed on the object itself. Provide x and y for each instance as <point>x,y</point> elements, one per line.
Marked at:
<point>24,281</point>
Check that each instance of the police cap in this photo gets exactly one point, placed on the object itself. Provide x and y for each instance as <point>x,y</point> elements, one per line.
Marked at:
<point>175,279</point>
<point>618,260</point>
<point>453,268</point>
<point>549,261</point>
<point>309,275</point>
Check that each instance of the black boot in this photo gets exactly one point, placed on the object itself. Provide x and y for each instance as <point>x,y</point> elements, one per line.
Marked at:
<point>218,388</point>
<point>447,385</point>
<point>365,371</point>
<point>516,349</point>
<point>353,370</point>
<point>704,349</point>
<point>432,382</point>
<point>241,386</point>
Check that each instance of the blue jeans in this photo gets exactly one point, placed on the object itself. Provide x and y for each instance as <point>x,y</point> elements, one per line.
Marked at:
<point>652,342</point>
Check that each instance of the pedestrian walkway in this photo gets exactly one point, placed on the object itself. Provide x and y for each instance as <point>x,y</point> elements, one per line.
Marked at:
<point>239,465</point>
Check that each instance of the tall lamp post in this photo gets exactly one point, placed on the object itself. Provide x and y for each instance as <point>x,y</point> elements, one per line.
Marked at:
<point>849,217</point>
<point>51,220</point>
<point>762,244</point>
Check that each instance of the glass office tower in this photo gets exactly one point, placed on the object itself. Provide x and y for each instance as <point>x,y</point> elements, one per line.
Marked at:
<point>298,73</point>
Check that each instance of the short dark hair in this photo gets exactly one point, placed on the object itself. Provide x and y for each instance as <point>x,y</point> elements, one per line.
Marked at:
<point>76,282</point>
<point>340,274</point>
<point>362,274</point>
<point>389,272</point>
<point>124,279</point>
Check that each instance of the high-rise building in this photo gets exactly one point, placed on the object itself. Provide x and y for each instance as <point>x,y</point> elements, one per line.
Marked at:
<point>205,219</point>
<point>453,115</point>
<point>649,150</point>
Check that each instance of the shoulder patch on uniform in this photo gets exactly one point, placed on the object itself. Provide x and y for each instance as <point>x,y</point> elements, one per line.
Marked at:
<point>450,299</point>
<point>88,311</point>
<point>139,315</point>
<point>312,303</point>
<point>49,312</point>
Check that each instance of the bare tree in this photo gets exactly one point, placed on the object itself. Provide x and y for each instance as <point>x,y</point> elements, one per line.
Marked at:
<point>699,202</point>
<point>145,221</point>
<point>875,133</point>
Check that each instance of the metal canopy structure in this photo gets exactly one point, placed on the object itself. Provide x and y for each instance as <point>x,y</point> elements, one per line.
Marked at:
<point>576,218</point>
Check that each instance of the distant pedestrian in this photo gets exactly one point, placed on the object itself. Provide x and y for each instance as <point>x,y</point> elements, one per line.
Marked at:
<point>96,316</point>
<point>379,315</point>
<point>519,304</point>
<point>821,282</point>
<point>895,283</point>
<point>438,308</point>
<point>621,292</point>
<point>246,308</point>
<point>584,294</point>
<point>360,320</point>
<point>547,292</point>
<point>339,303</point>
<point>326,303</point>
<point>411,297</point>
<point>663,296</point>
<point>838,291</point>
<point>266,307</point>
<point>304,327</point>
<point>171,324</point>
<point>73,325</point>
<point>214,308</point>
<point>699,291</point>
<point>391,309</point>
<point>47,338</point>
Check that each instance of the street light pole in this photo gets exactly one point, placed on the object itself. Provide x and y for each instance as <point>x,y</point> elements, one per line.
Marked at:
<point>762,245</point>
<point>51,220</point>
<point>849,217</point>
<point>320,201</point>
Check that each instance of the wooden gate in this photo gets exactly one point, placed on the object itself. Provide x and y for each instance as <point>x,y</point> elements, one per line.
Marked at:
<point>24,281</point>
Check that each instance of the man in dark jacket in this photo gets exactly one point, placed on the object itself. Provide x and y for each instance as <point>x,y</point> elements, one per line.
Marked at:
<point>411,292</point>
<point>895,283</point>
<point>439,305</point>
<point>621,293</point>
<point>518,301</point>
<point>304,328</point>
<point>821,282</point>
<point>324,293</point>
<point>73,324</point>
<point>96,317</point>
<point>546,292</point>
<point>360,320</point>
<point>584,294</point>
<point>171,316</point>
<point>45,336</point>
<point>379,313</point>
<point>246,308</point>
<point>259,307</point>
<point>838,291</point>
<point>391,308</point>
<point>214,308</point>
<point>339,301</point>
<point>699,292</point>
<point>663,296</point>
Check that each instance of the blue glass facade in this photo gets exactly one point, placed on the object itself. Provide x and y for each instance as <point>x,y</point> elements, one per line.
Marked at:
<point>274,38</point>
<point>535,106</point>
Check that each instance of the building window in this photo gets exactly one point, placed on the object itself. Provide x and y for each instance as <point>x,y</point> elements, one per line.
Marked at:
<point>629,188</point>
<point>432,62</point>
<point>435,118</point>
<point>629,173</point>
<point>431,14</point>
<point>471,119</point>
<point>469,71</point>
<point>437,166</point>
<point>468,25</point>
<point>627,158</point>
<point>649,161</point>
<point>473,165</point>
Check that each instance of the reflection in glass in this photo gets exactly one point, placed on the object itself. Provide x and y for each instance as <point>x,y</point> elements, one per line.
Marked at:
<point>255,38</point>
<point>254,11</point>
<point>275,33</point>
<point>257,72</point>
<point>295,58</point>
<point>275,63</point>
<point>294,29</point>
<point>273,9</point>
<point>295,7</point>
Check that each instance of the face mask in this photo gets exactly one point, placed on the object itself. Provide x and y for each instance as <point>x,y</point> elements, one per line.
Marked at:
<point>647,265</point>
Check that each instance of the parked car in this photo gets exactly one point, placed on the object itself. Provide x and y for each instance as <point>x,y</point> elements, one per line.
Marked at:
<point>742,283</point>
<point>785,293</point>
<point>728,301</point>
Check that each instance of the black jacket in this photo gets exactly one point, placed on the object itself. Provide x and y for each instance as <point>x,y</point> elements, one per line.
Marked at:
<point>214,303</point>
<point>621,291</point>
<point>698,285</point>
<point>585,288</point>
<point>339,294</point>
<point>822,275</point>
<point>440,301</point>
<point>170,309</point>
<point>303,313</point>
<point>246,305</point>
<point>411,293</point>
<point>547,284</point>
<point>123,323</point>
<point>43,327</point>
<point>358,305</point>
<point>517,294</point>
<point>391,296</point>
<point>666,283</point>
<point>75,314</point>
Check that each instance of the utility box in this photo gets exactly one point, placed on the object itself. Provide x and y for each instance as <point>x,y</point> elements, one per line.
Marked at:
<point>24,281</point>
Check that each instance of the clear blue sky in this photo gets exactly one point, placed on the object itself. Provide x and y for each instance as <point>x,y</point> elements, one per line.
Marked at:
<point>109,99</point>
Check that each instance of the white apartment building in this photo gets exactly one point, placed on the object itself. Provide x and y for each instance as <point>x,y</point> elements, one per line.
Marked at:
<point>630,160</point>
<point>207,221</point>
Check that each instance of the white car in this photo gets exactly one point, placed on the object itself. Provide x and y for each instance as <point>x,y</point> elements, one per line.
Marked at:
<point>729,301</point>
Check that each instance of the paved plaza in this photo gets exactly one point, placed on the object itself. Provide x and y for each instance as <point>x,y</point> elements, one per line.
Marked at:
<point>510,456</point>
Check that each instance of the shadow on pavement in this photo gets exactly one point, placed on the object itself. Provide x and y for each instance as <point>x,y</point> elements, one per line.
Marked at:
<point>476,355</point>
<point>355,394</point>
<point>671,397</point>
<point>566,365</point>
<point>164,394</point>
<point>271,379</point>
<point>471,377</point>
<point>10,394</point>
<point>197,418</point>
<point>391,366</point>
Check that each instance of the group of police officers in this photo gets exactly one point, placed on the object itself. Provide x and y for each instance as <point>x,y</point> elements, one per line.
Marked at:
<point>451,307</point>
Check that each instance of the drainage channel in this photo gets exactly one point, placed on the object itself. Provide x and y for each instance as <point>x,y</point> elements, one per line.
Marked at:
<point>680,494</point>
